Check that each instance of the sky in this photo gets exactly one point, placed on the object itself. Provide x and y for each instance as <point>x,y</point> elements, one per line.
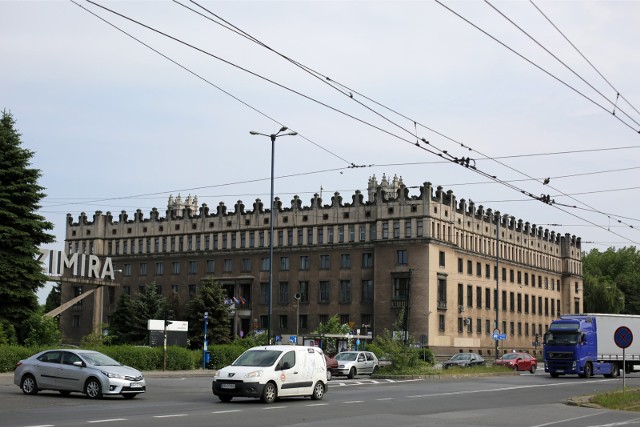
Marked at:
<point>526,90</point>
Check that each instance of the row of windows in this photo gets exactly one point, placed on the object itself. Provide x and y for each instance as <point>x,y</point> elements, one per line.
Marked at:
<point>324,291</point>
<point>466,324</point>
<point>303,322</point>
<point>366,261</point>
<point>514,276</point>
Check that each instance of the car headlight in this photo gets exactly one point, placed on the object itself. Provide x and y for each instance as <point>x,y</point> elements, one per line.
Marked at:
<point>216,374</point>
<point>253,374</point>
<point>112,375</point>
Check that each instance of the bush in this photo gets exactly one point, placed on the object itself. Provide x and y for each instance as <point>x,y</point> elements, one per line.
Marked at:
<point>224,354</point>
<point>11,354</point>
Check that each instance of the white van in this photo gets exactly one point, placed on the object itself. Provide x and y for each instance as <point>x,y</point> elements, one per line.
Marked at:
<point>273,371</point>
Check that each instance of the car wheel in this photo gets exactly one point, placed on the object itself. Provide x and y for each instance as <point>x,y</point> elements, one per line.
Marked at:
<point>270,393</point>
<point>329,375</point>
<point>129,396</point>
<point>28,384</point>
<point>352,373</point>
<point>93,389</point>
<point>375,370</point>
<point>318,391</point>
<point>64,392</point>
<point>533,369</point>
<point>225,398</point>
<point>515,368</point>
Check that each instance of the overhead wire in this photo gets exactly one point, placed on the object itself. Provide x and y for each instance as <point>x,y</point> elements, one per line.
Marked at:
<point>442,153</point>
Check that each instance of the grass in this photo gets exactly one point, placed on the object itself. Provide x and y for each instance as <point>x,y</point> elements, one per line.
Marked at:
<point>617,400</point>
<point>426,369</point>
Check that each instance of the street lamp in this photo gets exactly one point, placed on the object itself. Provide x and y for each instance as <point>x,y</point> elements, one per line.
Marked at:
<point>273,137</point>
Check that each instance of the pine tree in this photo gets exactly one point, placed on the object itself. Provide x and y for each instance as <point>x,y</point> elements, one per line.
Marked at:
<point>120,326</point>
<point>210,298</point>
<point>146,305</point>
<point>22,230</point>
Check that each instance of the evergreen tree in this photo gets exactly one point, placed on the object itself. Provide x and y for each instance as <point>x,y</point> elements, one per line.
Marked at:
<point>120,327</point>
<point>146,305</point>
<point>210,298</point>
<point>22,230</point>
<point>54,299</point>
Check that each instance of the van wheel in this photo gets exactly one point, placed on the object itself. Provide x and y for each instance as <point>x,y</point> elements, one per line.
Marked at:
<point>329,375</point>
<point>318,391</point>
<point>225,398</point>
<point>270,393</point>
<point>352,373</point>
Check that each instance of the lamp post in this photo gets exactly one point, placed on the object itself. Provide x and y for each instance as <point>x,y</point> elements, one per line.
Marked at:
<point>273,137</point>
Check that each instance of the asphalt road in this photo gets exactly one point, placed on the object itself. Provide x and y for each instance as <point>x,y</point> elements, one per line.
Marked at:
<point>522,400</point>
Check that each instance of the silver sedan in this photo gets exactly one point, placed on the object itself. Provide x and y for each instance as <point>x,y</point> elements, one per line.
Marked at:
<point>83,371</point>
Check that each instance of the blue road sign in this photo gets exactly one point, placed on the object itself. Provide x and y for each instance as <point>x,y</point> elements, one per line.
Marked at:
<point>623,337</point>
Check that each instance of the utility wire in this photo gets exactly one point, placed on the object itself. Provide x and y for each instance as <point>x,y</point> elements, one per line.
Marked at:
<point>584,57</point>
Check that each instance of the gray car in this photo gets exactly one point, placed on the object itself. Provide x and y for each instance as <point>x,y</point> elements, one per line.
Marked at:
<point>464,360</point>
<point>83,371</point>
<point>352,363</point>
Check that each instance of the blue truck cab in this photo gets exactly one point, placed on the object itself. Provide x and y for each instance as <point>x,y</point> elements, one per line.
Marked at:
<point>571,347</point>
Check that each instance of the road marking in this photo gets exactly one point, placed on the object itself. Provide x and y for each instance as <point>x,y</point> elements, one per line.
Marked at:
<point>386,398</point>
<point>107,421</point>
<point>354,401</point>
<point>171,415</point>
<point>275,407</point>
<point>226,412</point>
<point>577,418</point>
<point>317,404</point>
<point>43,425</point>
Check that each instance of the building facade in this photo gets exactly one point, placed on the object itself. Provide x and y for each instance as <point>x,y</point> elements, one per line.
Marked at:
<point>441,268</point>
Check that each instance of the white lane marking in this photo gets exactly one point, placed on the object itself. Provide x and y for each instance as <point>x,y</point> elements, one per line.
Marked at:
<point>386,398</point>
<point>317,404</point>
<point>274,407</point>
<point>107,421</point>
<point>43,425</point>
<point>170,415</point>
<point>226,412</point>
<point>500,389</point>
<point>571,419</point>
<point>354,401</point>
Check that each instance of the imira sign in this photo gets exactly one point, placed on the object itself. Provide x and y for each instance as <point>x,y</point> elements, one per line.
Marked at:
<point>54,263</point>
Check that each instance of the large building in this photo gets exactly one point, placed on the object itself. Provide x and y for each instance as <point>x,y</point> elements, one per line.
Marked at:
<point>438,260</point>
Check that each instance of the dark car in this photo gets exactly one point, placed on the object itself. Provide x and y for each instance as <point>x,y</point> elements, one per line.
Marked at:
<point>332,366</point>
<point>82,371</point>
<point>519,362</point>
<point>464,360</point>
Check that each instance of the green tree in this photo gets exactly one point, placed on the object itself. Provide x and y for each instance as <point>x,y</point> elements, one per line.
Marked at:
<point>333,326</point>
<point>210,298</point>
<point>54,299</point>
<point>610,275</point>
<point>22,230</point>
<point>41,330</point>
<point>146,305</point>
<point>120,327</point>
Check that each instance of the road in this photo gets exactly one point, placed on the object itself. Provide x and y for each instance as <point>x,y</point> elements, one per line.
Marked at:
<point>523,400</point>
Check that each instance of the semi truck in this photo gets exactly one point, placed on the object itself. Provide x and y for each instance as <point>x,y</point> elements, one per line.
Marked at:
<point>584,344</point>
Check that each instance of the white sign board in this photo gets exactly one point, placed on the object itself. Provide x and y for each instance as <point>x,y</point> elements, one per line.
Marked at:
<point>176,325</point>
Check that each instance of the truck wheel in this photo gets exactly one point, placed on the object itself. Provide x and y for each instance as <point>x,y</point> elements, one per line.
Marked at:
<point>554,375</point>
<point>588,371</point>
<point>270,393</point>
<point>614,371</point>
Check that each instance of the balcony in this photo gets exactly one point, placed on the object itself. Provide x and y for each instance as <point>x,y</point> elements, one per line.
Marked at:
<point>399,302</point>
<point>442,305</point>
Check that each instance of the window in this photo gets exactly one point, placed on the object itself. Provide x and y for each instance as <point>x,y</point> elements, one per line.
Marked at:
<point>367,260</point>
<point>211,266</point>
<point>143,268</point>
<point>228,265</point>
<point>284,293</point>
<point>175,289</point>
<point>126,290</point>
<point>526,303</point>
<point>363,233</point>
<point>300,236</point>
<point>330,235</point>
<point>460,324</point>
<point>303,290</point>
<point>310,236</point>
<point>396,229</point>
<point>246,264</point>
<point>407,228</point>
<point>352,233</point>
<point>345,261</point>
<point>442,292</point>
<point>264,293</point>
<point>323,318</point>
<point>325,292</point>
<point>401,257</point>
<point>193,267</point>
<point>533,304</point>
<point>487,298</point>
<point>441,322</point>
<point>341,234</point>
<point>441,258</point>
<point>469,296</point>
<point>460,265</point>
<point>419,228</point>
<point>460,295</point>
<point>320,235</point>
<point>344,319</point>
<point>478,326</point>
<point>175,267</point>
<point>478,269</point>
<point>192,291</point>
<point>367,291</point>
<point>511,302</point>
<point>303,322</point>
<point>126,270</point>
<point>400,288</point>
<point>264,264</point>
<point>469,267</point>
<point>264,321</point>
<point>282,322</point>
<point>159,268</point>
<point>504,300</point>
<point>526,279</point>
<point>478,297</point>
<point>284,263</point>
<point>504,274</point>
<point>511,279</point>
<point>325,263</point>
<point>385,230</point>
<point>519,277</point>
<point>487,271</point>
<point>345,291</point>
<point>519,301</point>
<point>304,262</point>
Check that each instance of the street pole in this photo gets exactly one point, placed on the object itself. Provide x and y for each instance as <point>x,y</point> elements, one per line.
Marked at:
<point>273,137</point>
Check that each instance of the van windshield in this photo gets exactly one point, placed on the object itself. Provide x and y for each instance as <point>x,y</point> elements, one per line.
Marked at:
<point>257,358</point>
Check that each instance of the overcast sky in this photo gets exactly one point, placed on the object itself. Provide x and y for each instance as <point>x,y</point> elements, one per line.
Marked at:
<point>116,126</point>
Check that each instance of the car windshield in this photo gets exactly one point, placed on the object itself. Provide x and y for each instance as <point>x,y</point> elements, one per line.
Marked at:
<point>509,356</point>
<point>347,357</point>
<point>98,359</point>
<point>257,358</point>
<point>461,356</point>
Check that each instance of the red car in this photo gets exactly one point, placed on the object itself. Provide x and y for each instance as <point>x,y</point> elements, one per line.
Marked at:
<point>332,366</point>
<point>519,362</point>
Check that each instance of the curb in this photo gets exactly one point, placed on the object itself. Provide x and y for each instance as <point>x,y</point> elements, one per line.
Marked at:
<point>583,401</point>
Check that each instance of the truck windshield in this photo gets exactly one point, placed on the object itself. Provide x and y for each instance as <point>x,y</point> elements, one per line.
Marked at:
<point>257,358</point>
<point>562,338</point>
